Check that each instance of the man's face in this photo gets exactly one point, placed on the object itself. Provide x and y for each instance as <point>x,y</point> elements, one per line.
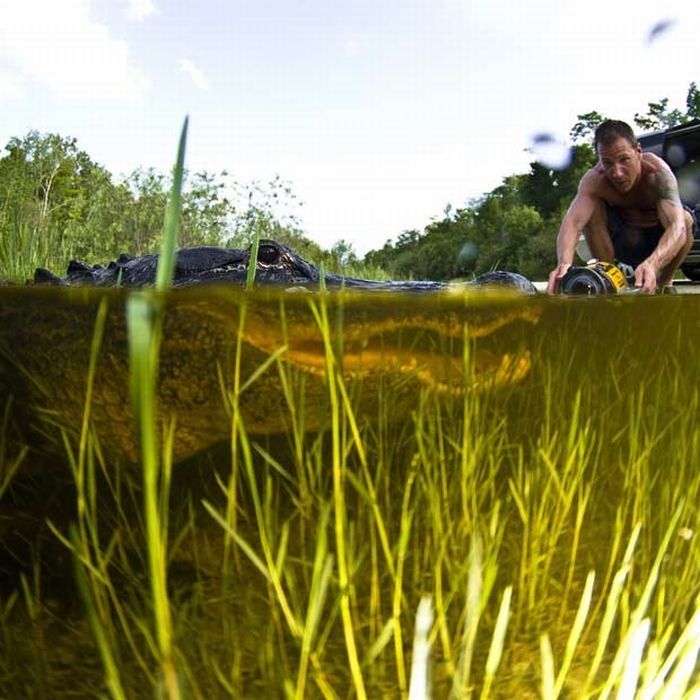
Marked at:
<point>622,164</point>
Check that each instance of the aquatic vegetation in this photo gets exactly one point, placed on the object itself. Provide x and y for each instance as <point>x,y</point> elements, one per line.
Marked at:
<point>550,521</point>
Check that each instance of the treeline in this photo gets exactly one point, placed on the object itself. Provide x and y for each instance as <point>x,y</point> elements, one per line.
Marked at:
<point>511,228</point>
<point>56,204</point>
<point>514,227</point>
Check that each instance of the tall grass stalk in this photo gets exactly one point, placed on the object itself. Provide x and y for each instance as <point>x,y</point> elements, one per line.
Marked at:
<point>612,607</point>
<point>637,636</point>
<point>575,633</point>
<point>320,580</point>
<point>104,643</point>
<point>232,398</point>
<point>406,523</point>
<point>497,643</point>
<point>253,261</point>
<point>272,565</point>
<point>420,688</point>
<point>334,379</point>
<point>90,562</point>
<point>173,212</point>
<point>628,647</point>
<point>144,341</point>
<point>461,686</point>
<point>82,480</point>
<point>9,465</point>
<point>28,243</point>
<point>145,324</point>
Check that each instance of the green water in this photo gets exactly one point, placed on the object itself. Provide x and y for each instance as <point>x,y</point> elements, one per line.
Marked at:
<point>528,436</point>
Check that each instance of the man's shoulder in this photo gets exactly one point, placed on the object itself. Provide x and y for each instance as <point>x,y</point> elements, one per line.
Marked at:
<point>652,164</point>
<point>593,181</point>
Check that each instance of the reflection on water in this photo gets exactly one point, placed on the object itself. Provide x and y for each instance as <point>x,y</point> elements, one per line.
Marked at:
<point>477,441</point>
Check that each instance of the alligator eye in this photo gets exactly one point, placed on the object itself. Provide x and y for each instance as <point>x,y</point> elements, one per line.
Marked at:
<point>268,254</point>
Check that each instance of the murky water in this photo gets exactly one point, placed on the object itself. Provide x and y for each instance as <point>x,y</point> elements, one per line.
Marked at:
<point>536,431</point>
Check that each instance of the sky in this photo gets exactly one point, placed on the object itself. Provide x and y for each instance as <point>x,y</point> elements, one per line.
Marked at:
<point>379,113</point>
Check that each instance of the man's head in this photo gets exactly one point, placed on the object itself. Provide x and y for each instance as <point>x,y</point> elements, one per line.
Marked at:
<point>610,131</point>
<point>619,154</point>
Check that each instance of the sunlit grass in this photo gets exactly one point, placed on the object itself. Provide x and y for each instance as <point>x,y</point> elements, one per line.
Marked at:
<point>28,245</point>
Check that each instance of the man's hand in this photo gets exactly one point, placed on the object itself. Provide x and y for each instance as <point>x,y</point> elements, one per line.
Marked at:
<point>645,277</point>
<point>555,277</point>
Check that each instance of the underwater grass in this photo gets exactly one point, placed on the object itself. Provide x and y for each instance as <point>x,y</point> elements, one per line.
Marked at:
<point>546,578</point>
<point>539,540</point>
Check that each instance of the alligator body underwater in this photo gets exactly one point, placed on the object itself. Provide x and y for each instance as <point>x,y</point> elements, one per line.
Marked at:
<point>262,354</point>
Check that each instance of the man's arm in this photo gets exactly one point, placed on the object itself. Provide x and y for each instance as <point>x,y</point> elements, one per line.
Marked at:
<point>578,215</point>
<point>670,211</point>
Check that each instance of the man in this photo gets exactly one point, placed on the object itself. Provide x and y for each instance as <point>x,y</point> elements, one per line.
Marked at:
<point>629,210</point>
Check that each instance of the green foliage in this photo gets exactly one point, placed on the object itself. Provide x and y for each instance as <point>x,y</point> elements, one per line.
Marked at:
<point>513,227</point>
<point>585,126</point>
<point>692,102</point>
<point>57,204</point>
<point>659,116</point>
<point>546,189</point>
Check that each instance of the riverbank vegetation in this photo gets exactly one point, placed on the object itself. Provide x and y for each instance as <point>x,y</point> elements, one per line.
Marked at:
<point>57,203</point>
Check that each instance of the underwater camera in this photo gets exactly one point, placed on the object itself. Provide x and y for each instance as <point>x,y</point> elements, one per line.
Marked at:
<point>597,278</point>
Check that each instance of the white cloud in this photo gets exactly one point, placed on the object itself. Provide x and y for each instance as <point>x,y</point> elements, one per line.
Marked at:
<point>58,45</point>
<point>138,10</point>
<point>189,68</point>
<point>10,87</point>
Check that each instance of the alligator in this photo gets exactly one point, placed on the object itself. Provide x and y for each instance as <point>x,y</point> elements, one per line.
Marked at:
<point>269,342</point>
<point>276,265</point>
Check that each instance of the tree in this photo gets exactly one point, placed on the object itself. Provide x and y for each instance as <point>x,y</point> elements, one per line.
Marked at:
<point>659,117</point>
<point>343,253</point>
<point>46,179</point>
<point>206,210</point>
<point>587,123</point>
<point>546,189</point>
<point>692,102</point>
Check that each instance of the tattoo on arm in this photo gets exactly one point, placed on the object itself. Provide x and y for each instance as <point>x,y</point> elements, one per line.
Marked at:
<point>667,187</point>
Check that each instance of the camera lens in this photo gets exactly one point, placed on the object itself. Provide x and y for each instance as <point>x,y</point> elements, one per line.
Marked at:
<point>584,281</point>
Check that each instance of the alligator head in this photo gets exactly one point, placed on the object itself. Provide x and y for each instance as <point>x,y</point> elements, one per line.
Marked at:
<point>276,264</point>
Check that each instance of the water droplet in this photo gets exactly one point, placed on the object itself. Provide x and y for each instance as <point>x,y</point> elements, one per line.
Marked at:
<point>676,155</point>
<point>689,186</point>
<point>550,152</point>
<point>659,29</point>
<point>467,252</point>
<point>686,533</point>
